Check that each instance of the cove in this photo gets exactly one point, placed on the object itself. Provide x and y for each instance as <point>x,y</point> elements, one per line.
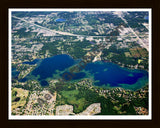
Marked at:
<point>15,73</point>
<point>32,62</point>
<point>49,66</point>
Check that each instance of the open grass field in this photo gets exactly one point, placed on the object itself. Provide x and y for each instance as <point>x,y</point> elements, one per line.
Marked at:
<point>127,54</point>
<point>143,52</point>
<point>19,97</point>
<point>138,52</point>
<point>71,98</point>
<point>134,52</point>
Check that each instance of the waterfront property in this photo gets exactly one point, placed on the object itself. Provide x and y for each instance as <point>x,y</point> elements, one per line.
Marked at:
<point>105,74</point>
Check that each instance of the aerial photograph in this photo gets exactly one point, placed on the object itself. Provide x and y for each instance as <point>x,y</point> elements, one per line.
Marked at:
<point>75,63</point>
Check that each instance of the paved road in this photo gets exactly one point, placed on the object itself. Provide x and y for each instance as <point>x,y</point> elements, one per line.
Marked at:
<point>71,34</point>
<point>54,31</point>
<point>59,32</point>
<point>140,40</point>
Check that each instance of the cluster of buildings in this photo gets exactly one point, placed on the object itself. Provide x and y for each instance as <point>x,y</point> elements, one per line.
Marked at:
<point>91,110</point>
<point>41,103</point>
<point>68,110</point>
<point>24,73</point>
<point>141,110</point>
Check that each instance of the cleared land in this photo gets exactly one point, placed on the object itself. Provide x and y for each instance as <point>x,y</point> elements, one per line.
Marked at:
<point>19,97</point>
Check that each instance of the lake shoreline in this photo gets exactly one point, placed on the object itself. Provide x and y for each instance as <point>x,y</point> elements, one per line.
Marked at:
<point>100,76</point>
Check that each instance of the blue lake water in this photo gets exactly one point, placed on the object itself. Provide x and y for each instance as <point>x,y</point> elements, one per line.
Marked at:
<point>15,73</point>
<point>114,75</point>
<point>60,20</point>
<point>49,66</point>
<point>146,17</point>
<point>32,62</point>
<point>103,73</point>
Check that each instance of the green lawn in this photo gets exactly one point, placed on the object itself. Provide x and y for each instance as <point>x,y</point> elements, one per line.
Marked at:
<point>71,98</point>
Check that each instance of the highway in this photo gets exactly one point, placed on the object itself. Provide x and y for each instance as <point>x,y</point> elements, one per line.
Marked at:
<point>54,31</point>
<point>140,40</point>
<point>71,34</point>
